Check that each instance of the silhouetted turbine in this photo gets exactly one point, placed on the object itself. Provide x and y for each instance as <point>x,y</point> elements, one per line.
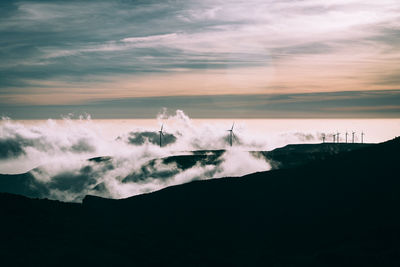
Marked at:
<point>161,134</point>
<point>231,134</point>
<point>323,138</point>
<point>346,136</point>
<point>352,138</point>
<point>362,137</point>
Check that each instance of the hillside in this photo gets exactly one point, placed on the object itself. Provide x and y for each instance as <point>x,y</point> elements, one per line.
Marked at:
<point>286,157</point>
<point>337,212</point>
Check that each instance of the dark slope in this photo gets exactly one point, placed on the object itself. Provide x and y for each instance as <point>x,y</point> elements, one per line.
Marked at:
<point>285,157</point>
<point>340,212</point>
<point>295,155</point>
<point>23,184</point>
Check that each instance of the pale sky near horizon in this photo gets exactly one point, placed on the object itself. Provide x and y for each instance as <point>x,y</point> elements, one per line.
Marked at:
<point>121,59</point>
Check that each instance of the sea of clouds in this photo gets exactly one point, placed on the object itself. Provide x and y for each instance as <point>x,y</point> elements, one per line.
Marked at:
<point>72,157</point>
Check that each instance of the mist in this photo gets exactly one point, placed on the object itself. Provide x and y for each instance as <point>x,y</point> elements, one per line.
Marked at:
<point>73,157</point>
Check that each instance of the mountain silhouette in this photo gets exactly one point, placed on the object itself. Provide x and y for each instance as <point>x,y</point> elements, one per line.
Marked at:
<point>82,181</point>
<point>338,211</point>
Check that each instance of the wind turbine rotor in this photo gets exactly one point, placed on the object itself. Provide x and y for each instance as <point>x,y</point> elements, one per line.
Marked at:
<point>231,134</point>
<point>161,134</point>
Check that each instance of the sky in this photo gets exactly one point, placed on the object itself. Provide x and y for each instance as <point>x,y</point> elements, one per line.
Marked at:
<point>213,59</point>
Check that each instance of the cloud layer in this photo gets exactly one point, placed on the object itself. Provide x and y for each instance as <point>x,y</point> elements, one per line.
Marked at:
<point>350,104</point>
<point>70,158</point>
<point>73,52</point>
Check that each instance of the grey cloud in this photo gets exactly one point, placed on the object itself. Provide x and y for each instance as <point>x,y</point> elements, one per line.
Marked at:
<point>303,49</point>
<point>73,182</point>
<point>154,170</point>
<point>14,144</point>
<point>139,138</point>
<point>73,185</point>
<point>10,148</point>
<point>390,36</point>
<point>304,136</point>
<point>235,140</point>
<point>82,145</point>
<point>82,41</point>
<point>228,106</point>
<point>390,79</point>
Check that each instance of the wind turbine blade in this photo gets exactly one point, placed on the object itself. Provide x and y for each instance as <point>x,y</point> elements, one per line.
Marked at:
<point>232,126</point>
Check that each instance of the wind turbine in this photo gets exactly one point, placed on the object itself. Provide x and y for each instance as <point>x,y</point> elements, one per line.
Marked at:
<point>231,134</point>
<point>334,140</point>
<point>362,137</point>
<point>352,138</point>
<point>338,136</point>
<point>161,133</point>
<point>346,136</point>
<point>323,138</point>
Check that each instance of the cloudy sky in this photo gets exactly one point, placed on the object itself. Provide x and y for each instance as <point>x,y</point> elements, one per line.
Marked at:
<point>239,58</point>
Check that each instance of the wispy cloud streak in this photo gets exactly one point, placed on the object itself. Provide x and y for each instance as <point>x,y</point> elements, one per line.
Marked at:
<point>86,50</point>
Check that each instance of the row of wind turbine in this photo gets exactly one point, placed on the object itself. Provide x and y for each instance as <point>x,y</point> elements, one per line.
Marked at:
<point>336,137</point>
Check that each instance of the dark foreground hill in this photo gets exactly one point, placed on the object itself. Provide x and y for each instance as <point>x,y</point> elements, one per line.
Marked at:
<point>339,212</point>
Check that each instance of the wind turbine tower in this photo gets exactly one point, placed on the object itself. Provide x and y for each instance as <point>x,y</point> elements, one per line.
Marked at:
<point>346,136</point>
<point>352,138</point>
<point>231,134</point>
<point>338,136</point>
<point>323,138</point>
<point>362,137</point>
<point>334,138</point>
<point>161,134</point>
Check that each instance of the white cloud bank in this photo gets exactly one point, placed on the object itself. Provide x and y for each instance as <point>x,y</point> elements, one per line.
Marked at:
<point>58,151</point>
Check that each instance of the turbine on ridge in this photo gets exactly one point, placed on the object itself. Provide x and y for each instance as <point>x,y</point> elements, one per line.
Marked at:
<point>231,134</point>
<point>161,134</point>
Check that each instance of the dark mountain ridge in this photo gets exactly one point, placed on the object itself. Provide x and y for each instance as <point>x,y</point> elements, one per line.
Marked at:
<point>337,212</point>
<point>280,158</point>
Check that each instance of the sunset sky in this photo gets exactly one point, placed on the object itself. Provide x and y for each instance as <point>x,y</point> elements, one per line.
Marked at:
<point>129,59</point>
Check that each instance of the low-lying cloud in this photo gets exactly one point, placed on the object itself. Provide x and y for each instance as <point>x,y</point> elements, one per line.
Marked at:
<point>69,159</point>
<point>139,138</point>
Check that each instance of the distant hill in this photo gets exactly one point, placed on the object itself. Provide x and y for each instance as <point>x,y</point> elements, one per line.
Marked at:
<point>299,154</point>
<point>285,157</point>
<point>337,212</point>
